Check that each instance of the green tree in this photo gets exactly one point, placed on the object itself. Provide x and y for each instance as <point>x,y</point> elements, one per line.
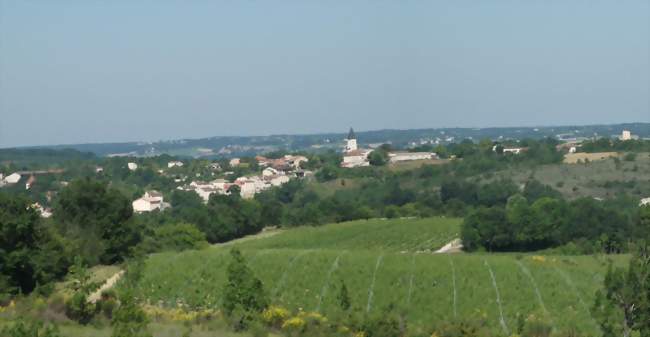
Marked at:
<point>129,320</point>
<point>98,220</point>
<point>344,297</point>
<point>378,157</point>
<point>243,293</point>
<point>30,254</point>
<point>622,306</point>
<point>78,307</point>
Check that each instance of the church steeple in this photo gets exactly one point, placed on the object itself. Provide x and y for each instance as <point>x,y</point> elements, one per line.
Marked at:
<point>350,142</point>
<point>351,134</point>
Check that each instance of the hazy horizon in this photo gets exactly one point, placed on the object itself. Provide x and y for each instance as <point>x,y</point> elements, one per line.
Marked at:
<point>93,72</point>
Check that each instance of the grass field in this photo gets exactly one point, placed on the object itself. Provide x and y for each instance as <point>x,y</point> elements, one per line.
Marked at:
<point>377,260</point>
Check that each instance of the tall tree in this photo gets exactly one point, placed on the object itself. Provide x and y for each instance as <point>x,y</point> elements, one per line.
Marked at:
<point>98,220</point>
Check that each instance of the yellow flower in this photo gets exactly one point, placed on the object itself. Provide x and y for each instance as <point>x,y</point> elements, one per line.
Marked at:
<point>274,315</point>
<point>539,258</point>
<point>293,323</point>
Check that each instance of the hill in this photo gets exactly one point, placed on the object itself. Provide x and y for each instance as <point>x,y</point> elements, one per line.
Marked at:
<point>379,263</point>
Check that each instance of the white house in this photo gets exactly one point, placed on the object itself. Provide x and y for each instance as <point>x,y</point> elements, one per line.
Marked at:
<point>205,191</point>
<point>234,162</point>
<point>514,150</point>
<point>43,212</point>
<point>356,158</point>
<point>644,202</point>
<point>150,201</point>
<point>294,161</point>
<point>132,166</point>
<point>269,172</point>
<point>395,157</point>
<point>12,178</point>
<point>279,180</point>
<point>175,163</point>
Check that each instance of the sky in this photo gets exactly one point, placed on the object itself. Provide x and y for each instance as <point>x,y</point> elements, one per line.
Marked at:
<point>113,71</point>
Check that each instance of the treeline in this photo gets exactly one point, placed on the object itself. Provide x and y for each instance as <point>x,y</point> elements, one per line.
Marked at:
<point>580,226</point>
<point>617,145</point>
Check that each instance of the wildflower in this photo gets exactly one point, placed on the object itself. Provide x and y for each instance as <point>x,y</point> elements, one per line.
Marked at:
<point>293,323</point>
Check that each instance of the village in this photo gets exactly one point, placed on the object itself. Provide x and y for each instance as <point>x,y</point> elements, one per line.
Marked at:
<point>274,172</point>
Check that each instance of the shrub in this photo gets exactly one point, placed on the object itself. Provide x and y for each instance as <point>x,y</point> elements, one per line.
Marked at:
<point>30,329</point>
<point>275,316</point>
<point>176,237</point>
<point>244,295</point>
<point>129,320</point>
<point>77,308</point>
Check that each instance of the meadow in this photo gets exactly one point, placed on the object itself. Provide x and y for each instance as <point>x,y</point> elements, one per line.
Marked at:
<point>383,265</point>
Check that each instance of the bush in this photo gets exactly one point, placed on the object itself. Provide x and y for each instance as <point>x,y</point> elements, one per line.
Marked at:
<point>175,237</point>
<point>630,156</point>
<point>244,295</point>
<point>30,329</point>
<point>77,308</point>
<point>129,319</point>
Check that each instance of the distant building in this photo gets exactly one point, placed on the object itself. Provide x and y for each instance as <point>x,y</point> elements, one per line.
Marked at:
<point>175,163</point>
<point>269,171</point>
<point>235,162</point>
<point>395,157</point>
<point>351,142</point>
<point>43,212</point>
<point>644,202</point>
<point>356,158</point>
<point>215,166</point>
<point>352,155</point>
<point>132,166</point>
<point>99,169</point>
<point>12,178</point>
<point>514,150</point>
<point>30,182</point>
<point>627,135</point>
<point>150,201</point>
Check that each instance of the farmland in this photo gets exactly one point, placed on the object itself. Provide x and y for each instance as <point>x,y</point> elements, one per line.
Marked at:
<point>379,263</point>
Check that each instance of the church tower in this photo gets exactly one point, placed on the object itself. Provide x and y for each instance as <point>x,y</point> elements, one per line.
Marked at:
<point>351,142</point>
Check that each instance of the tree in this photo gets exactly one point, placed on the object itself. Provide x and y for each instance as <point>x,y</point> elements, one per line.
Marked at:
<point>378,157</point>
<point>29,253</point>
<point>129,320</point>
<point>486,228</point>
<point>78,307</point>
<point>622,306</point>
<point>98,220</point>
<point>243,293</point>
<point>344,297</point>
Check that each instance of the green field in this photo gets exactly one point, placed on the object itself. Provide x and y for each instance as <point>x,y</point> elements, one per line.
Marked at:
<point>379,263</point>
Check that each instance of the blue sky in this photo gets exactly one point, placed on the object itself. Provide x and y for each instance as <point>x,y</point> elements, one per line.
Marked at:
<point>99,71</point>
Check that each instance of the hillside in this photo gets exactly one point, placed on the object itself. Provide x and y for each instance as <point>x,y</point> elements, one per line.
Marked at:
<point>377,260</point>
<point>599,178</point>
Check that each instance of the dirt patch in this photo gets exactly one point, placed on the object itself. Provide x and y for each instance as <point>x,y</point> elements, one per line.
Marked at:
<point>573,158</point>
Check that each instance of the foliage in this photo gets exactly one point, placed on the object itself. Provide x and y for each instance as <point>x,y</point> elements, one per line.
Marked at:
<point>97,219</point>
<point>30,329</point>
<point>243,293</point>
<point>176,237</point>
<point>548,222</point>
<point>30,254</point>
<point>623,305</point>
<point>129,320</point>
<point>78,307</point>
